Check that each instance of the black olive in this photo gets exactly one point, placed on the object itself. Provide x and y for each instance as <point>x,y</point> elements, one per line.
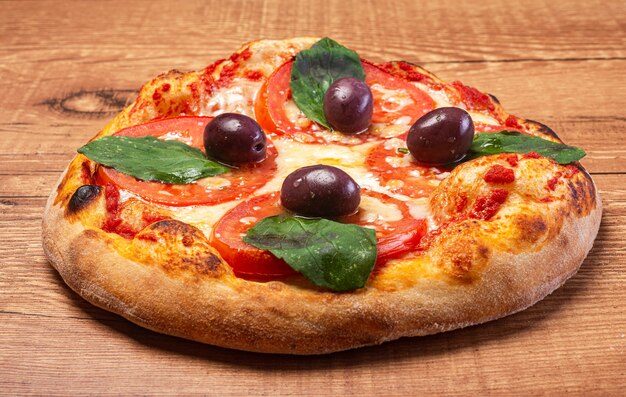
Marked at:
<point>320,191</point>
<point>441,136</point>
<point>234,139</point>
<point>348,105</point>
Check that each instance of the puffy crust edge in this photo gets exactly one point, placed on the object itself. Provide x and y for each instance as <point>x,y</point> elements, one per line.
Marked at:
<point>274,317</point>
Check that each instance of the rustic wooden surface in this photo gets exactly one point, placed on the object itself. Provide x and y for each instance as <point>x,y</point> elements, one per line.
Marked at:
<point>67,67</point>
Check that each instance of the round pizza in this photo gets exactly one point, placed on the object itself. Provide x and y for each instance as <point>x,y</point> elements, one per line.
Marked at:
<point>297,198</point>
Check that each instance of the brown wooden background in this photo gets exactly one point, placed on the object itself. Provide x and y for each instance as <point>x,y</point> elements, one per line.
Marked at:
<point>67,67</point>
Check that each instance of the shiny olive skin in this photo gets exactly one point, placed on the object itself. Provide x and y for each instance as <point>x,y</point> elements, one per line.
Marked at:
<point>441,136</point>
<point>235,139</point>
<point>320,191</point>
<point>348,105</point>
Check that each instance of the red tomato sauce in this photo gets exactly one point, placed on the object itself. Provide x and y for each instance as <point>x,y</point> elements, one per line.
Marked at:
<point>499,175</point>
<point>487,206</point>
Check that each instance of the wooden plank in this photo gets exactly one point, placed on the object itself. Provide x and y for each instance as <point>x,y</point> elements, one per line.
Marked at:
<point>92,348</point>
<point>438,31</point>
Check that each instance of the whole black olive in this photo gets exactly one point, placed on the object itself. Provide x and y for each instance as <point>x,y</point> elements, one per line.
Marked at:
<point>441,136</point>
<point>234,139</point>
<point>348,105</point>
<point>320,191</point>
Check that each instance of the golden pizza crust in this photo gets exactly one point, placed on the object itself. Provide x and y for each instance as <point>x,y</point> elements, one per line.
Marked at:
<point>169,279</point>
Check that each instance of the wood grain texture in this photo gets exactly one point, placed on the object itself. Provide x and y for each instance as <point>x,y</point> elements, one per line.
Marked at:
<point>67,67</point>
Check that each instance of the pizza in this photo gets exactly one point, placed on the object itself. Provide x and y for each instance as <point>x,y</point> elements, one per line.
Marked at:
<point>298,198</point>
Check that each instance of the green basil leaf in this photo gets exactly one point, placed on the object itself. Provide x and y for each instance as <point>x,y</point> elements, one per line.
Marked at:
<point>334,255</point>
<point>315,69</point>
<point>515,142</point>
<point>151,159</point>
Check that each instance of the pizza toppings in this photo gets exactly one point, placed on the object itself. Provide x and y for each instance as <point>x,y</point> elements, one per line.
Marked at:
<point>330,254</point>
<point>348,105</point>
<point>442,136</point>
<point>473,98</point>
<point>235,139</point>
<point>397,230</point>
<point>315,70</point>
<point>151,159</point>
<point>396,101</point>
<point>326,86</point>
<point>488,205</point>
<point>398,171</point>
<point>232,185</point>
<point>531,146</point>
<point>320,191</point>
<point>174,159</point>
<point>246,260</point>
<point>499,175</point>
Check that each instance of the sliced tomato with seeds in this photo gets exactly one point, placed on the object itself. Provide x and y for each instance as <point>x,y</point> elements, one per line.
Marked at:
<point>232,185</point>
<point>399,172</point>
<point>397,232</point>
<point>395,101</point>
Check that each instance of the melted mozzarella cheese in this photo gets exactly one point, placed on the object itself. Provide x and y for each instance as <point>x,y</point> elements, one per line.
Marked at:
<point>392,100</point>
<point>482,118</point>
<point>204,217</point>
<point>375,210</point>
<point>439,96</point>
<point>235,98</point>
<point>214,182</point>
<point>177,136</point>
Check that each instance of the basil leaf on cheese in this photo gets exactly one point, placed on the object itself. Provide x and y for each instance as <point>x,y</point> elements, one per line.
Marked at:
<point>315,69</point>
<point>333,255</point>
<point>151,159</point>
<point>515,142</point>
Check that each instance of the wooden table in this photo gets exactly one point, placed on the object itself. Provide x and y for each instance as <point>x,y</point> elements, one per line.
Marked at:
<point>67,67</point>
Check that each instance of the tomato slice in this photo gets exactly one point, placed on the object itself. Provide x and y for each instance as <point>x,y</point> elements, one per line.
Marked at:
<point>395,236</point>
<point>399,172</point>
<point>245,259</point>
<point>395,101</point>
<point>232,185</point>
<point>275,109</point>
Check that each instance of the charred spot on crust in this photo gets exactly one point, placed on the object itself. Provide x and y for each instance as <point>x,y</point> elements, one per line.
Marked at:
<point>208,264</point>
<point>544,129</point>
<point>583,195</point>
<point>590,187</point>
<point>82,198</point>
<point>494,98</point>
